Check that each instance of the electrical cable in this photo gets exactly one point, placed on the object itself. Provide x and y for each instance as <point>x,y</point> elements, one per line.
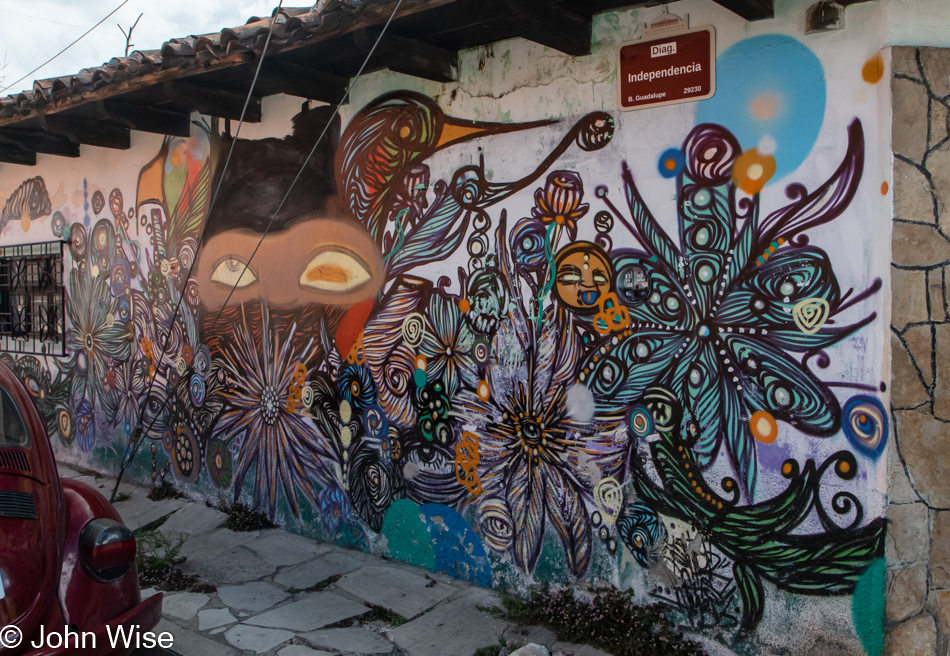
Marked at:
<point>306,161</point>
<point>82,36</point>
<point>137,434</point>
<point>140,436</point>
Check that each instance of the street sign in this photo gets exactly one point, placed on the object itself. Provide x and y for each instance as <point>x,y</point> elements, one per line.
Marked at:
<point>667,70</point>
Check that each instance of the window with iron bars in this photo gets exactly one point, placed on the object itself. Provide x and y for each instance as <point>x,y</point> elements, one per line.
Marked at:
<point>32,299</point>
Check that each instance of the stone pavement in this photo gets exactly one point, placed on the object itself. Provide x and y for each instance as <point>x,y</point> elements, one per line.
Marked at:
<point>286,595</point>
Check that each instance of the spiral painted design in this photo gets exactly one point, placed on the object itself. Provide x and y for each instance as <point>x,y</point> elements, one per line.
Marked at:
<point>711,150</point>
<point>413,329</point>
<point>481,350</point>
<point>202,362</point>
<point>58,224</point>
<point>495,524</point>
<point>865,424</point>
<point>196,390</point>
<point>640,421</point>
<point>306,396</point>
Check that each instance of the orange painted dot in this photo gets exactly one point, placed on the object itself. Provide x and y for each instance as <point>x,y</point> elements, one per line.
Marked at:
<point>464,306</point>
<point>670,164</point>
<point>873,70</point>
<point>884,188</point>
<point>787,468</point>
<point>763,427</point>
<point>844,467</point>
<point>752,170</point>
<point>484,392</point>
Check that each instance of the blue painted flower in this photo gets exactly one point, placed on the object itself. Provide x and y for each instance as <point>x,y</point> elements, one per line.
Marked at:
<point>720,320</point>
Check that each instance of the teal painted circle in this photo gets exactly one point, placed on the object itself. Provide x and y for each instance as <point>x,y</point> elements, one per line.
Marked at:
<point>705,273</point>
<point>702,236</point>
<point>787,288</point>
<point>420,378</point>
<point>642,350</point>
<point>702,198</point>
<point>672,303</point>
<point>654,298</point>
<point>774,86</point>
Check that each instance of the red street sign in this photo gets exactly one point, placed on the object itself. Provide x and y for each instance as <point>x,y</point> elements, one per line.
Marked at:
<point>671,69</point>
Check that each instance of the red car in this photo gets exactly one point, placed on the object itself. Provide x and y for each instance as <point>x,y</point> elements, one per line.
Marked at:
<point>67,563</point>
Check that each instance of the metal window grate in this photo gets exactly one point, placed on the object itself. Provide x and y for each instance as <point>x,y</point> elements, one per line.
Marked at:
<point>32,299</point>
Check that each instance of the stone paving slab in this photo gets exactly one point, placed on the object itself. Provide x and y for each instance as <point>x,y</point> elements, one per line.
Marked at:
<point>255,638</point>
<point>300,650</point>
<point>282,549</point>
<point>458,628</point>
<point>214,618</point>
<point>212,545</point>
<point>256,596</point>
<point>189,643</point>
<point>184,605</point>
<point>261,618</point>
<point>192,519</point>
<point>402,592</point>
<point>519,635</point>
<point>307,575</point>
<point>354,639</point>
<point>238,565</point>
<point>314,611</point>
<point>140,510</point>
<point>571,649</point>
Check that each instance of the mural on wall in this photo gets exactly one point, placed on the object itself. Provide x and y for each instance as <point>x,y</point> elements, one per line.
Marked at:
<point>610,396</point>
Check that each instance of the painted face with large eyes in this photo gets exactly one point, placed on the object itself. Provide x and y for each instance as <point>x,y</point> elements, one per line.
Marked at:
<point>325,261</point>
<point>583,274</point>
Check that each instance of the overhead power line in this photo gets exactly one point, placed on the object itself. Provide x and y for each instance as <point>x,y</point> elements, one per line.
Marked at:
<point>83,35</point>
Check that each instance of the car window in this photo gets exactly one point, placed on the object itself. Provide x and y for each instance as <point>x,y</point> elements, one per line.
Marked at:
<point>12,430</point>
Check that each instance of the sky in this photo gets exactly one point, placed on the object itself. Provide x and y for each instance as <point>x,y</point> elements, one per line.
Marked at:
<point>32,32</point>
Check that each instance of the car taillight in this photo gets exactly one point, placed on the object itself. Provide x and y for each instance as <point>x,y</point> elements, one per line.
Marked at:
<point>107,548</point>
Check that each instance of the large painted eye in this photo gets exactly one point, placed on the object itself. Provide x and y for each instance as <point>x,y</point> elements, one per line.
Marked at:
<point>229,273</point>
<point>335,270</point>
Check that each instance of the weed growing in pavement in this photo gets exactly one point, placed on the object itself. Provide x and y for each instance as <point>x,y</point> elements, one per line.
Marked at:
<point>610,621</point>
<point>122,496</point>
<point>493,650</point>
<point>380,614</point>
<point>324,584</point>
<point>244,518</point>
<point>159,564</point>
<point>164,490</point>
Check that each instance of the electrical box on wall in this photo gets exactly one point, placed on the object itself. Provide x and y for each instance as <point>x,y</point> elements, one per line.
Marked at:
<point>633,284</point>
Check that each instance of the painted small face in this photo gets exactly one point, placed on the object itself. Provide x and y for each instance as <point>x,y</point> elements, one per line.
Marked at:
<point>325,261</point>
<point>583,275</point>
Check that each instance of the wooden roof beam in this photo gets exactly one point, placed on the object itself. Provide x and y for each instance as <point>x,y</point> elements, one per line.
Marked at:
<point>146,119</point>
<point>212,101</point>
<point>408,56</point>
<point>280,76</point>
<point>751,10</point>
<point>551,25</point>
<point>90,132</point>
<point>15,155</point>
<point>40,142</point>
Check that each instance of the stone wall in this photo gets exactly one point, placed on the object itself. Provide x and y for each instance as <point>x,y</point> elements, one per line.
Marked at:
<point>918,547</point>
